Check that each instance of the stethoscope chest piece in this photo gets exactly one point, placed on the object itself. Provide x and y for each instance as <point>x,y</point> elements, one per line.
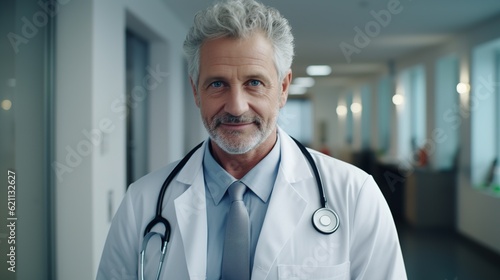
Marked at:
<point>325,220</point>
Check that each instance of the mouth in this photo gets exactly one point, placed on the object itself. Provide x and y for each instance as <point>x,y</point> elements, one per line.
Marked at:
<point>236,126</point>
<point>236,123</point>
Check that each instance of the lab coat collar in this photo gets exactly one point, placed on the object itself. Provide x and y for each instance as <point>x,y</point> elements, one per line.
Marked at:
<point>286,207</point>
<point>193,167</point>
<point>191,212</point>
<point>293,162</point>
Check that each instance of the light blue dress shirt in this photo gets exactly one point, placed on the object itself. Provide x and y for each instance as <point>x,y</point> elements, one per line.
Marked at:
<point>260,181</point>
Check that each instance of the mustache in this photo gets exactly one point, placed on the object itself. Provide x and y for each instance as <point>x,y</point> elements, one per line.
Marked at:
<point>228,118</point>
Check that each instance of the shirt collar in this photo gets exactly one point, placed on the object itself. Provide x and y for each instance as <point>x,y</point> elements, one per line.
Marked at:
<point>259,179</point>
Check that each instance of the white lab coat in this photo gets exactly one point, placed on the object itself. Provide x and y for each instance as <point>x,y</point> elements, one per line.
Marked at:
<point>365,246</point>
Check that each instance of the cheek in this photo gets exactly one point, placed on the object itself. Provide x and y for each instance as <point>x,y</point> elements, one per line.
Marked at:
<point>208,109</point>
<point>205,113</point>
<point>268,108</point>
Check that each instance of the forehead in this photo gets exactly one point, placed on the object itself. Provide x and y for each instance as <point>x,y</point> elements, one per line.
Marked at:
<point>251,51</point>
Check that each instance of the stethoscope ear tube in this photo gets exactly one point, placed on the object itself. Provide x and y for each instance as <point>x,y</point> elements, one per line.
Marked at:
<point>315,170</point>
<point>171,176</point>
<point>158,217</point>
<point>165,238</point>
<point>324,220</point>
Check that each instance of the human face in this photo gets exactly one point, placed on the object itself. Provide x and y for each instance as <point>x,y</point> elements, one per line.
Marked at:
<point>238,92</point>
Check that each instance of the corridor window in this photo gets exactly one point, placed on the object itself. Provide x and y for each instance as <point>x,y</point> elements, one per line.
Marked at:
<point>484,105</point>
<point>497,95</point>
<point>417,105</point>
<point>384,90</point>
<point>366,117</point>
<point>296,119</point>
<point>447,115</point>
<point>411,113</point>
<point>349,123</point>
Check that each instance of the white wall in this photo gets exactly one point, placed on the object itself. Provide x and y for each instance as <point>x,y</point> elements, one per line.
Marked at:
<point>90,92</point>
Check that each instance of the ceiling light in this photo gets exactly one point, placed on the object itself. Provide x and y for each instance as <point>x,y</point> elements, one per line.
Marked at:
<point>398,99</point>
<point>356,107</point>
<point>341,110</point>
<point>6,104</point>
<point>463,88</point>
<point>304,81</point>
<point>319,70</point>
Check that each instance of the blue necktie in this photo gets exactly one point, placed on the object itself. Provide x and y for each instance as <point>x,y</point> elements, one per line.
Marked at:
<point>236,256</point>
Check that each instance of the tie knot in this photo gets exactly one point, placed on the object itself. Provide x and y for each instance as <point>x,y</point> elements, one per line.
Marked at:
<point>236,191</point>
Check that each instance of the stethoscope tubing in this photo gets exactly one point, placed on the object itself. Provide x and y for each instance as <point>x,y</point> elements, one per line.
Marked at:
<point>319,183</point>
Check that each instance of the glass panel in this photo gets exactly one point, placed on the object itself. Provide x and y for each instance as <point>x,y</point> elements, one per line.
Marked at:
<point>483,109</point>
<point>447,118</point>
<point>26,79</point>
<point>497,126</point>
<point>404,141</point>
<point>412,115</point>
<point>417,105</point>
<point>7,92</point>
<point>366,117</point>
<point>8,258</point>
<point>349,123</point>
<point>383,114</point>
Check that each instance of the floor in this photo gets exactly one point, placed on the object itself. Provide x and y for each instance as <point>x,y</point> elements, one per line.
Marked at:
<point>445,255</point>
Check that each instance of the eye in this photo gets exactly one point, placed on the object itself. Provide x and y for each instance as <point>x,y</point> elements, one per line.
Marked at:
<point>254,83</point>
<point>217,84</point>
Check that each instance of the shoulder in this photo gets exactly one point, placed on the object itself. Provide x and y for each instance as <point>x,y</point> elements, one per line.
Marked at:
<point>344,183</point>
<point>342,170</point>
<point>151,182</point>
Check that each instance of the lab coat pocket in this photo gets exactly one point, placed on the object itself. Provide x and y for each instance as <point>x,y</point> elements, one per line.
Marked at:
<point>302,272</point>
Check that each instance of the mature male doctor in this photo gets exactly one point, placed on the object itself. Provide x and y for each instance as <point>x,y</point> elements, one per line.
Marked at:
<point>239,54</point>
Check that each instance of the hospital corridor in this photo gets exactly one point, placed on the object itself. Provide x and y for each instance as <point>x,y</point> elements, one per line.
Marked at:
<point>96,94</point>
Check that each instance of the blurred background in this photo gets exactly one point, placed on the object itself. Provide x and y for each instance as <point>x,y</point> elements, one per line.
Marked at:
<point>95,94</point>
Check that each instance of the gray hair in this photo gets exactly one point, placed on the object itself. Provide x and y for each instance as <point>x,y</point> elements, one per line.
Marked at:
<point>238,19</point>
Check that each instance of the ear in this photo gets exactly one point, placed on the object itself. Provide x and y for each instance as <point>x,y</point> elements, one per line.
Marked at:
<point>285,86</point>
<point>195,93</point>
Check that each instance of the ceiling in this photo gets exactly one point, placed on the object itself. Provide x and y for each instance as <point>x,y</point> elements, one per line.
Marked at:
<point>321,26</point>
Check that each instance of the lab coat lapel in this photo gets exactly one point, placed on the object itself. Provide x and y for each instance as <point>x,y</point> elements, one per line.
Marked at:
<point>190,209</point>
<point>286,208</point>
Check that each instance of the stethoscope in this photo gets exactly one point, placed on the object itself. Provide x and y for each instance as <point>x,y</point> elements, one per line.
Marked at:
<point>324,220</point>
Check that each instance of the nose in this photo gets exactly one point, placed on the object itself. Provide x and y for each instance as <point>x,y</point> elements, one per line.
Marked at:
<point>236,102</point>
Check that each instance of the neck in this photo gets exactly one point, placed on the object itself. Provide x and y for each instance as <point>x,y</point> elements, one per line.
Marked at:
<point>240,164</point>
